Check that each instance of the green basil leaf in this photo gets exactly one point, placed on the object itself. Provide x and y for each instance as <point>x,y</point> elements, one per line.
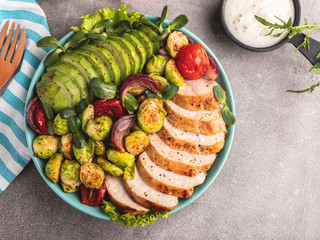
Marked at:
<point>163,16</point>
<point>164,34</point>
<point>76,39</point>
<point>52,57</point>
<point>179,22</point>
<point>219,94</point>
<point>318,56</point>
<point>150,94</point>
<point>98,36</point>
<point>48,42</point>
<point>228,116</point>
<point>48,111</point>
<point>316,68</point>
<point>170,91</point>
<point>101,26</point>
<point>50,127</point>
<point>121,27</point>
<point>130,102</point>
<point>150,24</point>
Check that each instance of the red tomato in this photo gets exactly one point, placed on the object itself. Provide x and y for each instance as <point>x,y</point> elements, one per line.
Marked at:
<point>192,61</point>
<point>109,107</point>
<point>41,119</point>
<point>97,195</point>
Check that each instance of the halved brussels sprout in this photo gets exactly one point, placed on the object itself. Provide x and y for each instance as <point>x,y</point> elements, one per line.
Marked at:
<point>86,154</point>
<point>156,65</point>
<point>86,115</point>
<point>151,114</point>
<point>109,167</point>
<point>129,173</point>
<point>44,146</point>
<point>66,145</point>
<point>53,167</point>
<point>91,175</point>
<point>60,125</point>
<point>100,148</point>
<point>176,40</point>
<point>122,160</point>
<point>70,176</point>
<point>161,81</point>
<point>99,128</point>
<point>172,73</point>
<point>136,142</point>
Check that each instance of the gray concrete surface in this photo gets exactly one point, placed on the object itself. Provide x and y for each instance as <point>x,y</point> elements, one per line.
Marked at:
<point>269,187</point>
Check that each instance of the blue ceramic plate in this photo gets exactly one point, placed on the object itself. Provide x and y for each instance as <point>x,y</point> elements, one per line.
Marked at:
<point>74,198</point>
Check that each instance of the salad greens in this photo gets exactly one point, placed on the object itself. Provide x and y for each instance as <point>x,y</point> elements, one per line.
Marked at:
<point>290,31</point>
<point>118,217</point>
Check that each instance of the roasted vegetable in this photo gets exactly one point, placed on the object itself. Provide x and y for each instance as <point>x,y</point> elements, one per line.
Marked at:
<point>79,140</point>
<point>103,90</point>
<point>53,166</point>
<point>122,160</point>
<point>44,146</point>
<point>175,41</point>
<point>66,142</point>
<point>161,81</point>
<point>129,173</point>
<point>60,125</point>
<point>70,176</point>
<point>109,107</point>
<point>108,167</point>
<point>99,128</point>
<point>86,154</point>
<point>136,142</point>
<point>100,148</point>
<point>91,175</point>
<point>172,73</point>
<point>156,65</point>
<point>86,115</point>
<point>93,197</point>
<point>151,114</point>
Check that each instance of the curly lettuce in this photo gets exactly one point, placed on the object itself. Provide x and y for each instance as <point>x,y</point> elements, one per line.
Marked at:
<point>90,20</point>
<point>127,219</point>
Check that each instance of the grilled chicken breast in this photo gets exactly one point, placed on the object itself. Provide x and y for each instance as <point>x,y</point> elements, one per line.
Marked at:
<point>148,197</point>
<point>205,122</point>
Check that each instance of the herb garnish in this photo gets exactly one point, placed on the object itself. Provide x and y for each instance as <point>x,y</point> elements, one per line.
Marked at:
<point>227,115</point>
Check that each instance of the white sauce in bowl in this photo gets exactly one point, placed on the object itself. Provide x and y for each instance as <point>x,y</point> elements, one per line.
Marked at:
<point>241,21</point>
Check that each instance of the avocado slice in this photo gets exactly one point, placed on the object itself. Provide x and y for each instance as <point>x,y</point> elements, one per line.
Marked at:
<point>53,93</point>
<point>64,80</point>
<point>152,35</point>
<point>146,42</point>
<point>140,51</point>
<point>119,54</point>
<point>98,64</point>
<point>131,52</point>
<point>73,73</point>
<point>109,60</point>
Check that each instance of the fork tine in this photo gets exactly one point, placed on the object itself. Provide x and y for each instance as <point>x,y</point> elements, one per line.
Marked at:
<point>13,44</point>
<point>19,51</point>
<point>6,45</point>
<point>3,33</point>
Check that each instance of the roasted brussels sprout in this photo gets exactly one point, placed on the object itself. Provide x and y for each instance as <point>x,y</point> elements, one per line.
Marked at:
<point>122,160</point>
<point>156,65</point>
<point>66,145</point>
<point>175,41</point>
<point>86,115</point>
<point>44,146</point>
<point>161,81</point>
<point>151,114</point>
<point>135,127</point>
<point>99,148</point>
<point>108,167</point>
<point>60,125</point>
<point>136,142</point>
<point>70,176</point>
<point>99,128</point>
<point>53,167</point>
<point>86,154</point>
<point>172,73</point>
<point>91,175</point>
<point>128,173</point>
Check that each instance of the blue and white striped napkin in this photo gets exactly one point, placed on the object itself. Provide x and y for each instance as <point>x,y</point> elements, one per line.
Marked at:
<point>14,154</point>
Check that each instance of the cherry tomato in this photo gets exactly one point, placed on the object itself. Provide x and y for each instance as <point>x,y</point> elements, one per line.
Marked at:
<point>109,107</point>
<point>41,119</point>
<point>93,197</point>
<point>192,61</point>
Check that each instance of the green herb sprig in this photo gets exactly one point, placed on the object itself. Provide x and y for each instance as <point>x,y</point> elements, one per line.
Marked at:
<point>227,115</point>
<point>290,31</point>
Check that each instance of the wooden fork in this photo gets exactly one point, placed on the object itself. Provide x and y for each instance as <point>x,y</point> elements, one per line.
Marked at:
<point>10,60</point>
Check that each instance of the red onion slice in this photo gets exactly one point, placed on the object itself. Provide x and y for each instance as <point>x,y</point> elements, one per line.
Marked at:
<point>138,81</point>
<point>190,39</point>
<point>34,102</point>
<point>163,51</point>
<point>213,70</point>
<point>120,128</point>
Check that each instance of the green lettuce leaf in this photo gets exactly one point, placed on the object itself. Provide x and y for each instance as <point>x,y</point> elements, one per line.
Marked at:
<point>127,219</point>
